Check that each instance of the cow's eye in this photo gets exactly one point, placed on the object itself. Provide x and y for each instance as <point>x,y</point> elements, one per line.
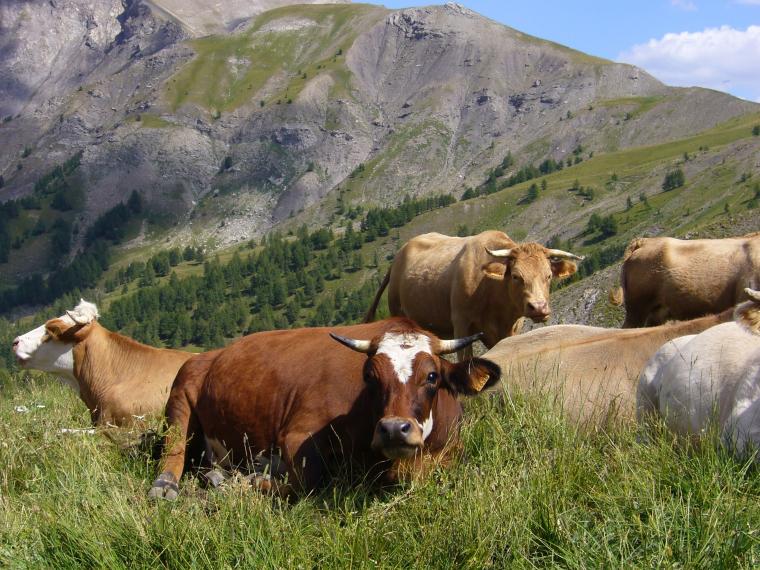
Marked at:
<point>549,277</point>
<point>432,378</point>
<point>515,277</point>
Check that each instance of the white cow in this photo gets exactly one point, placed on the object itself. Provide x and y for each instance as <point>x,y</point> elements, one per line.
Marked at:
<point>713,377</point>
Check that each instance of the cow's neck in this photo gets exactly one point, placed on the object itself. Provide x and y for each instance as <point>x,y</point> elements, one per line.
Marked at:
<point>100,365</point>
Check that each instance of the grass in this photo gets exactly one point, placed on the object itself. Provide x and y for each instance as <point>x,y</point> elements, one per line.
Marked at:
<point>232,70</point>
<point>533,492</point>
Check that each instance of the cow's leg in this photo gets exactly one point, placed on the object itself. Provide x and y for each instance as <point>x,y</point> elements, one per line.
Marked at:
<point>183,425</point>
<point>463,328</point>
<point>303,454</point>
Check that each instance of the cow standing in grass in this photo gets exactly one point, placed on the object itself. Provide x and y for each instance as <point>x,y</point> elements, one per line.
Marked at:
<point>116,377</point>
<point>710,379</point>
<point>301,401</point>
<point>458,286</point>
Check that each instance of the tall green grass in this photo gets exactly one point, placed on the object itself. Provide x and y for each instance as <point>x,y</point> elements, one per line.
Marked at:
<point>531,492</point>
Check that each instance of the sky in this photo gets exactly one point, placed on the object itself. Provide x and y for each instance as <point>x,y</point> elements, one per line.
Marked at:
<point>709,43</point>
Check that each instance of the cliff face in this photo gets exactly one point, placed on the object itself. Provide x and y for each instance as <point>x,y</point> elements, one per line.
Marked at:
<point>268,117</point>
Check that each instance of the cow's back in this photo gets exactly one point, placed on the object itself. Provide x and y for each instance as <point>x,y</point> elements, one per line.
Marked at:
<point>667,278</point>
<point>430,266</point>
<point>271,384</point>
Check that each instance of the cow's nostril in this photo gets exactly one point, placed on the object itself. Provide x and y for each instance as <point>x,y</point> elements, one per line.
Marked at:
<point>383,429</point>
<point>405,427</point>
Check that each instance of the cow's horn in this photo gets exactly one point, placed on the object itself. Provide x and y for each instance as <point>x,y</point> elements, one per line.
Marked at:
<point>499,252</point>
<point>754,295</point>
<point>455,344</point>
<point>353,344</point>
<point>564,255</point>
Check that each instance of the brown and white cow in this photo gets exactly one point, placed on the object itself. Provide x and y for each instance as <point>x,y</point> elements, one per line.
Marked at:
<point>592,372</point>
<point>301,401</point>
<point>665,278</point>
<point>116,377</point>
<point>457,286</point>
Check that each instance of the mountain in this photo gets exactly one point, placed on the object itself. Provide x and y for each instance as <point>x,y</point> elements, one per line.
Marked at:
<point>298,112</point>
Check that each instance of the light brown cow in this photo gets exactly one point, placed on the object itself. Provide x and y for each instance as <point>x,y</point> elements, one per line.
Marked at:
<point>116,377</point>
<point>458,286</point>
<point>298,400</point>
<point>665,278</point>
<point>592,372</point>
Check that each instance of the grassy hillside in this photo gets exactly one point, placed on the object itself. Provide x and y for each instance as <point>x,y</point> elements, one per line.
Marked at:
<point>532,492</point>
<point>233,70</point>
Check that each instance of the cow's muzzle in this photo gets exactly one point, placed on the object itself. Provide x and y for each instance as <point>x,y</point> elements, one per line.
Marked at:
<point>397,437</point>
<point>538,311</point>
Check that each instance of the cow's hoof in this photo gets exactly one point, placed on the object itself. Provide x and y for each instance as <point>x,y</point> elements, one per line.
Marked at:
<point>164,487</point>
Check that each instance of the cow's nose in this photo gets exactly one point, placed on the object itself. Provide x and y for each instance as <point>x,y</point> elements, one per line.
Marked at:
<point>539,307</point>
<point>396,431</point>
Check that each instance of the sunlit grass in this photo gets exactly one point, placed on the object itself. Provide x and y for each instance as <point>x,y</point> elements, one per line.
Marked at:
<point>532,491</point>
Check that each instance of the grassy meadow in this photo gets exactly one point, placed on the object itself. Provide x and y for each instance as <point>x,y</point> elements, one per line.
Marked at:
<point>532,492</point>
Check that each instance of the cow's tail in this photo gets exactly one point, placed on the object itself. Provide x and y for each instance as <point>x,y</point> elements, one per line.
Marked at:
<point>370,316</point>
<point>616,296</point>
<point>636,243</point>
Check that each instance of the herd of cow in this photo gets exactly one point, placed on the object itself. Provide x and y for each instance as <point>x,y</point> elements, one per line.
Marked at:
<point>289,404</point>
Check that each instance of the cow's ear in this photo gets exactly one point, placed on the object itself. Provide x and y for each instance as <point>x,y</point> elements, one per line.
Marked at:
<point>496,269</point>
<point>472,376</point>
<point>748,314</point>
<point>562,268</point>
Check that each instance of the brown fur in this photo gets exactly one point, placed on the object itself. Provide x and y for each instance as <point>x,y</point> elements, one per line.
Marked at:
<point>455,288</point>
<point>301,395</point>
<point>592,371</point>
<point>666,278</point>
<point>118,377</point>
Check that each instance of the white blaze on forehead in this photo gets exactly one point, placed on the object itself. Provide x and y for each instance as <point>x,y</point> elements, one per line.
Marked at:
<point>401,348</point>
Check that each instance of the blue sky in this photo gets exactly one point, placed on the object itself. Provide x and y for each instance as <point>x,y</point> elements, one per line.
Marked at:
<point>713,43</point>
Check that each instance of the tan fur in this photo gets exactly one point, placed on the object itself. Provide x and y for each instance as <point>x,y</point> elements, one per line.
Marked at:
<point>118,377</point>
<point>591,371</point>
<point>616,296</point>
<point>666,278</point>
<point>454,287</point>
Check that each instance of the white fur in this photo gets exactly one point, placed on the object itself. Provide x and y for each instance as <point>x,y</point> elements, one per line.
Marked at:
<point>650,380</point>
<point>713,378</point>
<point>401,348</point>
<point>427,426</point>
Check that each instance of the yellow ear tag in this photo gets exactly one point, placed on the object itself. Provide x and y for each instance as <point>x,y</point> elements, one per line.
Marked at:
<point>479,382</point>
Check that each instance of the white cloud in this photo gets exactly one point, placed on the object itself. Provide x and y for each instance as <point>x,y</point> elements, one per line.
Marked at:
<point>722,58</point>
<point>687,5</point>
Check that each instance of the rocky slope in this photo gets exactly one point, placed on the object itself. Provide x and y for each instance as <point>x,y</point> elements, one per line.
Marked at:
<point>235,132</point>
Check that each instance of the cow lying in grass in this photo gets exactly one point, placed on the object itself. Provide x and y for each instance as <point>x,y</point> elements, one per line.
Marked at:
<point>709,379</point>
<point>116,377</point>
<point>300,400</point>
<point>592,371</point>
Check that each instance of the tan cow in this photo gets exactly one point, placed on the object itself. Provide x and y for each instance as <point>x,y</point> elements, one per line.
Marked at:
<point>665,278</point>
<point>593,372</point>
<point>116,377</point>
<point>459,286</point>
<point>710,379</point>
